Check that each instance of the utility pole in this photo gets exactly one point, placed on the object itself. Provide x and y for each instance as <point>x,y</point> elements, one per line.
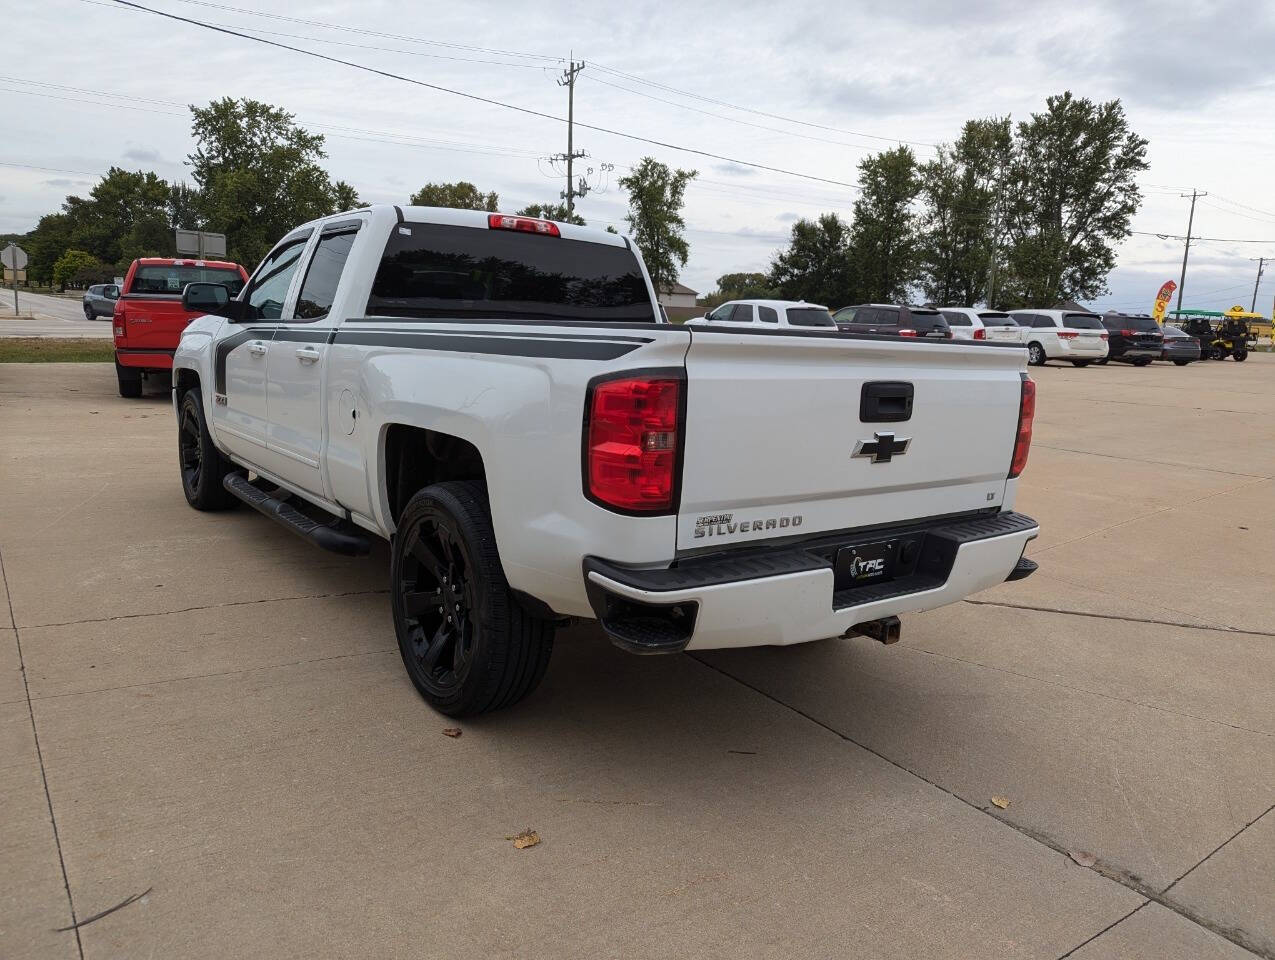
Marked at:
<point>568,80</point>
<point>1195,194</point>
<point>1261,263</point>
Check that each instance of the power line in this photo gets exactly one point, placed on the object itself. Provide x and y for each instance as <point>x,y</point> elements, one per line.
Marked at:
<point>473,96</point>
<point>1178,236</point>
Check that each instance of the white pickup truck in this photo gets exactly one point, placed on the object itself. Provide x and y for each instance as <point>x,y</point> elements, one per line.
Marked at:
<point>498,397</point>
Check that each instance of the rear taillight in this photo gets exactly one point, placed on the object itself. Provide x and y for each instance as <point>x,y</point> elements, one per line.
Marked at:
<point>500,221</point>
<point>907,333</point>
<point>1067,334</point>
<point>1128,333</point>
<point>1023,439</point>
<point>980,334</point>
<point>632,443</point>
<point>1103,336</point>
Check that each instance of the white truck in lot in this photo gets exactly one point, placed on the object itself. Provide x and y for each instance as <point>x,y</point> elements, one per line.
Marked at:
<point>498,397</point>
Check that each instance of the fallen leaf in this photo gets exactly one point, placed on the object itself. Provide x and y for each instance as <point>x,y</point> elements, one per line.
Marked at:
<point>1082,858</point>
<point>528,838</point>
<point>452,732</point>
<point>1001,802</point>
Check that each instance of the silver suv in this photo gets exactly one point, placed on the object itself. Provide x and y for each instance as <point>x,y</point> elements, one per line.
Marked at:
<point>99,300</point>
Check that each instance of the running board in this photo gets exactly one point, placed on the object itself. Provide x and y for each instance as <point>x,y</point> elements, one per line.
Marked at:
<point>319,534</point>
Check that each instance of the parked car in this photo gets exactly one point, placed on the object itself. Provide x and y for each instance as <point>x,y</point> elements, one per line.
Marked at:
<point>149,317</point>
<point>893,320</point>
<point>99,300</point>
<point>763,313</point>
<point>1062,335</point>
<point>1133,338</point>
<point>536,446</point>
<point>970,324</point>
<point>1179,346</point>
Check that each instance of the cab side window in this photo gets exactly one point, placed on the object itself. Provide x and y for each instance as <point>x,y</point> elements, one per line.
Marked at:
<point>322,276</point>
<point>767,315</point>
<point>743,313</point>
<point>269,287</point>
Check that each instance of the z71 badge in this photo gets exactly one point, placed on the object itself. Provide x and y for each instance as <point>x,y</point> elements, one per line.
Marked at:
<point>725,525</point>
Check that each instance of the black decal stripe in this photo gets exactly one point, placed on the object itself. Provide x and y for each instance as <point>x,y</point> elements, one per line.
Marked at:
<point>223,351</point>
<point>497,346</point>
<point>292,335</point>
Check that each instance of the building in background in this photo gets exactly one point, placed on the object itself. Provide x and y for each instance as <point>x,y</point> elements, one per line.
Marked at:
<point>678,302</point>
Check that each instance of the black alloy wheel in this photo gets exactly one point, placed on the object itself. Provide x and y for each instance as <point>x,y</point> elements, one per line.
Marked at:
<point>202,465</point>
<point>468,644</point>
<point>190,451</point>
<point>438,600</point>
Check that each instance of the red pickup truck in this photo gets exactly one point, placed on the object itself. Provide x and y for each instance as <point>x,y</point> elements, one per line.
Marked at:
<point>149,318</point>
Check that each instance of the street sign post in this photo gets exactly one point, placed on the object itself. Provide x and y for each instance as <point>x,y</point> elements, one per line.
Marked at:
<point>15,258</point>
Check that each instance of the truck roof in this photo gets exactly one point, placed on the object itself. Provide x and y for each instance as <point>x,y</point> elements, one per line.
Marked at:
<point>470,218</point>
<point>185,262</point>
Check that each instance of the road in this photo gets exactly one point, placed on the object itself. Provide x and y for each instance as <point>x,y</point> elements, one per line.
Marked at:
<point>204,707</point>
<point>46,316</point>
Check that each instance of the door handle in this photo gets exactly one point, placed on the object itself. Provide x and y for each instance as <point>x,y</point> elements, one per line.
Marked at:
<point>257,348</point>
<point>307,354</point>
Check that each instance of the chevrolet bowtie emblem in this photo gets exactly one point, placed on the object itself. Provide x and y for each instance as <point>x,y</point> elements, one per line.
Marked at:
<point>883,448</point>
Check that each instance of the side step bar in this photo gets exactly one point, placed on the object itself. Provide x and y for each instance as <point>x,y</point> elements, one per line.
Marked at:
<point>319,534</point>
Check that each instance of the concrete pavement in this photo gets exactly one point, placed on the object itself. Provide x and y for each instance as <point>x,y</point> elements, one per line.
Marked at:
<point>216,712</point>
<point>40,315</point>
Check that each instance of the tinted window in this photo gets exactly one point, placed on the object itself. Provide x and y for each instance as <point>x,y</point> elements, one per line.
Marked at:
<point>1040,320</point>
<point>767,315</point>
<point>809,317</point>
<point>322,276</point>
<point>1119,322</point>
<point>991,319</point>
<point>438,270</point>
<point>882,317</point>
<point>743,313</point>
<point>957,319</point>
<point>845,315</point>
<point>722,312</point>
<point>167,278</point>
<point>1082,321</point>
<point>271,282</point>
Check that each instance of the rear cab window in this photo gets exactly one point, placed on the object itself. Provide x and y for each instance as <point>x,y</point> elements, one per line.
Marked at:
<point>767,315</point>
<point>743,313</point>
<point>433,270</point>
<point>809,317</point>
<point>323,274</point>
<point>172,278</point>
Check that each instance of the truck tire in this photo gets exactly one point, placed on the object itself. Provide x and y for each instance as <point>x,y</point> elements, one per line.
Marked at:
<point>201,463</point>
<point>1081,363</point>
<point>129,380</point>
<point>1036,355</point>
<point>468,645</point>
<point>1180,363</point>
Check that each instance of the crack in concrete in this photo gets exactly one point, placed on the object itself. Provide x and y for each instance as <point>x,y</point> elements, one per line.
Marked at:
<point>1092,693</point>
<point>1160,463</point>
<point>216,673</point>
<point>1125,619</point>
<point>1110,926</point>
<point>1123,878</point>
<point>39,753</point>
<point>207,606</point>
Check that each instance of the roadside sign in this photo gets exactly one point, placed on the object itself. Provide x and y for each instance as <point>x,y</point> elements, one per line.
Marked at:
<point>15,258</point>
<point>197,243</point>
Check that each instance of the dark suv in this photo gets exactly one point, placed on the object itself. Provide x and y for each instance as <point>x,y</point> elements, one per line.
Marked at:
<point>893,320</point>
<point>1133,338</point>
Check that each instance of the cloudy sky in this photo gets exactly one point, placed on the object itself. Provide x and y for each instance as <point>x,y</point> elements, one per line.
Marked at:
<point>806,87</point>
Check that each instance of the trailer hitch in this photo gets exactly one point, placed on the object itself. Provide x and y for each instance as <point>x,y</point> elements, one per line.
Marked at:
<point>886,630</point>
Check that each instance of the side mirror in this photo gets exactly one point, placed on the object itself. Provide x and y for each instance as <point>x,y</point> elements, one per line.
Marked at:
<point>206,298</point>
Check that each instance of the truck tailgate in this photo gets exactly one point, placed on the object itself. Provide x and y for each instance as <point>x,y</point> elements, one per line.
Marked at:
<point>154,320</point>
<point>773,424</point>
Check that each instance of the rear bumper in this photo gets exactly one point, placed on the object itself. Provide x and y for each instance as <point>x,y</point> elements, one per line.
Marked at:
<point>149,359</point>
<point>786,595</point>
<point>1136,353</point>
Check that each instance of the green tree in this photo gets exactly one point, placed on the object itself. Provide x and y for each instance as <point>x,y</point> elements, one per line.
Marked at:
<point>960,188</point>
<point>655,218</point>
<point>885,237</point>
<point>45,245</point>
<point>126,212</point>
<point>816,266</point>
<point>461,195</point>
<point>79,268</point>
<point>345,197</point>
<point>552,211</point>
<point>1070,196</point>
<point>183,207</point>
<point>258,174</point>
